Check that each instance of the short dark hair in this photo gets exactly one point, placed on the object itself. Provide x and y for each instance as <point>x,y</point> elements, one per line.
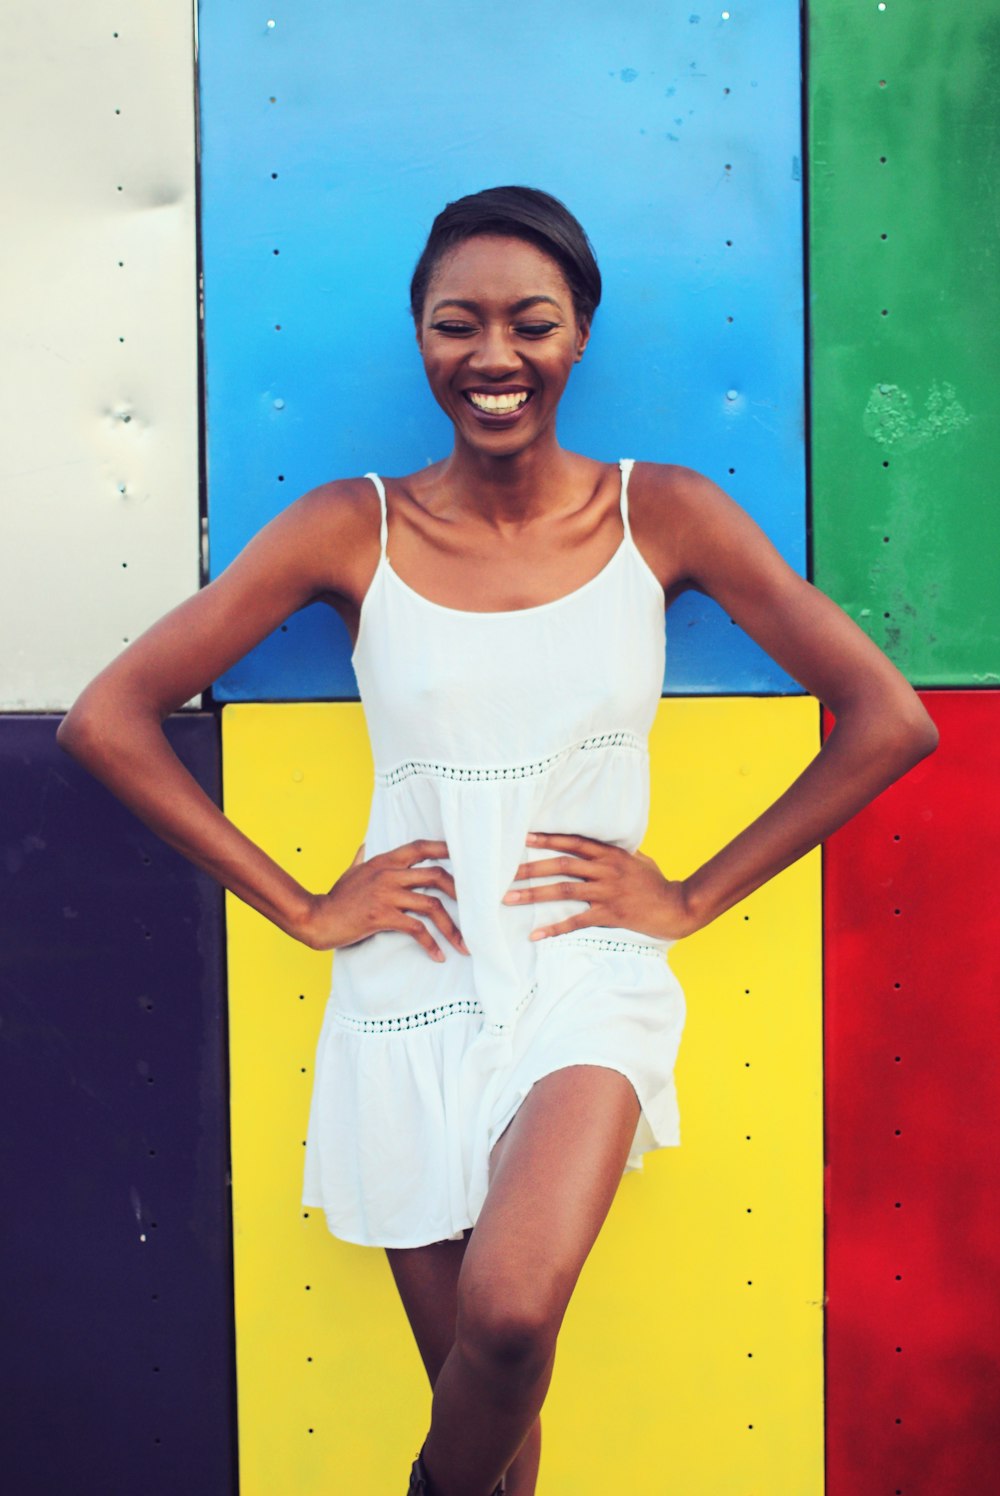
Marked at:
<point>519,213</point>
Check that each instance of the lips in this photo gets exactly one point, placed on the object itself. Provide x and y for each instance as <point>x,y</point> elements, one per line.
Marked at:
<point>497,405</point>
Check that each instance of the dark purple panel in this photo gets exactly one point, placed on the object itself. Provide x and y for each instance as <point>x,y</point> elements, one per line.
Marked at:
<point>116,1366</point>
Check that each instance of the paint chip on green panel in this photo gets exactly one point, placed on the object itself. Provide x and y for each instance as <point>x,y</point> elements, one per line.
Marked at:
<point>891,417</point>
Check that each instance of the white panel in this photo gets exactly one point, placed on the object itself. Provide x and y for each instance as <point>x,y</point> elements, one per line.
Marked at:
<point>99,322</point>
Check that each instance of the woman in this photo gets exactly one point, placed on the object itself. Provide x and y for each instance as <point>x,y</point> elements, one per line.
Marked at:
<point>500,1038</point>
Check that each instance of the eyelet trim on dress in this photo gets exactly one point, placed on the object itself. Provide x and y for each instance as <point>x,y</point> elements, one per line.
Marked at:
<point>394,1023</point>
<point>482,774</point>
<point>620,947</point>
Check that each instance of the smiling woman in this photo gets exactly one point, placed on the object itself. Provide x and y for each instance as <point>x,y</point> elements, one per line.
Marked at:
<point>499,1043</point>
<point>497,360</point>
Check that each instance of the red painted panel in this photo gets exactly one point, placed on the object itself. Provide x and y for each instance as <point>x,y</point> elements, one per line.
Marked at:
<point>912,931</point>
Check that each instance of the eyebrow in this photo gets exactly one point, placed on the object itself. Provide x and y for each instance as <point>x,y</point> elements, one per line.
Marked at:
<point>473,306</point>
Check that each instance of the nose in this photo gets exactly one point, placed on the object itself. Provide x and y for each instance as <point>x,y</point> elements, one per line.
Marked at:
<point>494,354</point>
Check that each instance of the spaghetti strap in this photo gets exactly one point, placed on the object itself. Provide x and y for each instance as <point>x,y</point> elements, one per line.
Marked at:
<point>383,534</point>
<point>626,465</point>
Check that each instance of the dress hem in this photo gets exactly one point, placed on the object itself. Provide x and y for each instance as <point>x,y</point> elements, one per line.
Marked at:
<point>633,1164</point>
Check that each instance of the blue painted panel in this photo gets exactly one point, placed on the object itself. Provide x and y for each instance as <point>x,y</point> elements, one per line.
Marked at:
<point>332,137</point>
<point>116,1367</point>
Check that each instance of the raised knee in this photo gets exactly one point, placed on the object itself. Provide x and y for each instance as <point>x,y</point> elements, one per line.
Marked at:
<point>506,1334</point>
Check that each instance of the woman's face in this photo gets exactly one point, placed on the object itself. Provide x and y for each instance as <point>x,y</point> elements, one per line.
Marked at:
<point>499,337</point>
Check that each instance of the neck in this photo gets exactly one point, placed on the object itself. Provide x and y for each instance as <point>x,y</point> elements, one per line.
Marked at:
<point>510,491</point>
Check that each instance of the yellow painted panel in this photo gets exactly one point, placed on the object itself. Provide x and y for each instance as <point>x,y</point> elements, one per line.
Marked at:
<point>690,1360</point>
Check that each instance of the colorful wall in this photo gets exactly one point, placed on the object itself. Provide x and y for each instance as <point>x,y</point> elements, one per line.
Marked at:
<point>795,217</point>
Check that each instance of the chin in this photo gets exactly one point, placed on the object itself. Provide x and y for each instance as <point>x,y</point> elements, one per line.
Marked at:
<point>503,442</point>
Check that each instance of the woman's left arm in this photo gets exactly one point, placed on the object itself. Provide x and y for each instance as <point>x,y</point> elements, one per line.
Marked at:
<point>882,728</point>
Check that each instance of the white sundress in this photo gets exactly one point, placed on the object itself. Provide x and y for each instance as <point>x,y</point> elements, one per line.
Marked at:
<point>483,727</point>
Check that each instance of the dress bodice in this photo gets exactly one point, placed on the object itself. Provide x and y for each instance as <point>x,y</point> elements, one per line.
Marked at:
<point>485,726</point>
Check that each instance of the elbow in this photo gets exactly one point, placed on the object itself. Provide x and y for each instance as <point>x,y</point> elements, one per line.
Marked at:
<point>931,738</point>
<point>916,735</point>
<point>894,731</point>
<point>73,731</point>
<point>91,722</point>
<point>102,724</point>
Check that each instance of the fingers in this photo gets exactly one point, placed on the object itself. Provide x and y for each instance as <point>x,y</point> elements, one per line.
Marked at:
<point>396,874</point>
<point>436,912</point>
<point>430,877</point>
<point>423,937</point>
<point>576,922</point>
<point>583,846</point>
<point>547,893</point>
<point>433,877</point>
<point>554,867</point>
<point>416,851</point>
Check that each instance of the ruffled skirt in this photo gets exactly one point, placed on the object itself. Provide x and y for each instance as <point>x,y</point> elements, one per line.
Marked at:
<point>405,1110</point>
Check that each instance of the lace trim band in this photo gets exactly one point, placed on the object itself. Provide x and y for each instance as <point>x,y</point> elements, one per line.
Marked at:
<point>394,1023</point>
<point>483,773</point>
<point>603,943</point>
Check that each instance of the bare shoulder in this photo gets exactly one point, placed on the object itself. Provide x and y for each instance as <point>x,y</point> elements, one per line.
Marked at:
<point>676,512</point>
<point>701,530</point>
<point>714,546</point>
<point>661,490</point>
<point>333,529</point>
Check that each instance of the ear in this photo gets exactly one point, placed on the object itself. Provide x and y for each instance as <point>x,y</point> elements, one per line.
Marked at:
<point>419,332</point>
<point>582,338</point>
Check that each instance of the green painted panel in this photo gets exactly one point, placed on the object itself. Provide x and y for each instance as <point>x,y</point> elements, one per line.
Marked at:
<point>904,215</point>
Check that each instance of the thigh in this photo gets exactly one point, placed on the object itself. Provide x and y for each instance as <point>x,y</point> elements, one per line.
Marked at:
<point>554,1173</point>
<point>427,1280</point>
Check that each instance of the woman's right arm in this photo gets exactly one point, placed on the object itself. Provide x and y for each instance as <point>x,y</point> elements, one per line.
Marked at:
<point>320,544</point>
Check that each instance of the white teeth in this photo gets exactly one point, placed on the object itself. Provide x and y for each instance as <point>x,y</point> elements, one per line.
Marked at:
<point>499,404</point>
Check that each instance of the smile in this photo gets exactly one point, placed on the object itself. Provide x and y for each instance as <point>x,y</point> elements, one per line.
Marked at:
<point>497,405</point>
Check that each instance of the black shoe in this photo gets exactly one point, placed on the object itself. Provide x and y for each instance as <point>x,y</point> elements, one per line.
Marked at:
<point>418,1478</point>
<point>419,1485</point>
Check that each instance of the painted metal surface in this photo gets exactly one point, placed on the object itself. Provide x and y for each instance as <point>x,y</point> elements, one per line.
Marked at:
<point>99,321</point>
<point>905,305</point>
<point>691,1355</point>
<point>115,1264</point>
<point>333,134</point>
<point>913,1122</point>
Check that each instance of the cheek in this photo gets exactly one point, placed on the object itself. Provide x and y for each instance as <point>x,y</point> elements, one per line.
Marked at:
<point>559,371</point>
<point>434,370</point>
<point>438,380</point>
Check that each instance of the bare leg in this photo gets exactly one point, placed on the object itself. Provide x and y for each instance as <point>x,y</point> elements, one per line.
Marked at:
<point>562,1161</point>
<point>427,1279</point>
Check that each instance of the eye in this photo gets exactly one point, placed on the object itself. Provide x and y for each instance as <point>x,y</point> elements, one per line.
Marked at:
<point>536,329</point>
<point>453,329</point>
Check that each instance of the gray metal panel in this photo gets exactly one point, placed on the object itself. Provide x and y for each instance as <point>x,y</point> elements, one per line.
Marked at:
<point>99,321</point>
